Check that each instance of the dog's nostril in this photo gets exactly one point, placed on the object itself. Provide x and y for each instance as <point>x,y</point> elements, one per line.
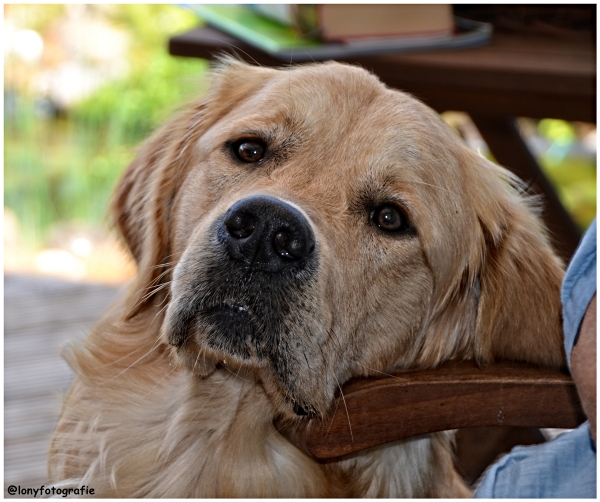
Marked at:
<point>239,225</point>
<point>289,247</point>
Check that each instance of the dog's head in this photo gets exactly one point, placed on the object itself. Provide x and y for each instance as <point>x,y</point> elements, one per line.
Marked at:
<point>312,225</point>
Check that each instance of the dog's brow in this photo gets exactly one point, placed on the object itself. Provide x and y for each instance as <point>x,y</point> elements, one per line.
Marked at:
<point>372,189</point>
<point>378,181</point>
<point>272,130</point>
<point>267,134</point>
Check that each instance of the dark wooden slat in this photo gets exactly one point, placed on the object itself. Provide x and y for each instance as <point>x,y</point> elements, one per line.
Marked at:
<point>379,410</point>
<point>502,103</point>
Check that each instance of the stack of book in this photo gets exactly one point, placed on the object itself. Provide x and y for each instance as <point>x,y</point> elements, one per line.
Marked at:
<point>326,31</point>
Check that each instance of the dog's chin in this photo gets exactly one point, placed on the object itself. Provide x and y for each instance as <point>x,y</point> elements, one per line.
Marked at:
<point>227,333</point>
<point>202,359</point>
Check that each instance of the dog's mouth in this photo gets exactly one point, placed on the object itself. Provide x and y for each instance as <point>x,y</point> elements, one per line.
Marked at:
<point>229,327</point>
<point>233,315</point>
<point>304,410</point>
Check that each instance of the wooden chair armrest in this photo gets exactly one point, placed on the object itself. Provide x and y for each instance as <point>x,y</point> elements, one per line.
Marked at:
<point>375,411</point>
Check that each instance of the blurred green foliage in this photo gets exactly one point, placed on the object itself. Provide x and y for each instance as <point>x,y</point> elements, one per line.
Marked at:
<point>63,168</point>
<point>574,179</point>
<point>573,176</point>
<point>37,18</point>
<point>129,109</point>
<point>557,131</point>
<point>126,111</point>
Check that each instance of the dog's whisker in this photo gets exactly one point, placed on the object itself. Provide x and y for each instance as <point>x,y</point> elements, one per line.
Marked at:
<point>157,383</point>
<point>345,406</point>
<point>327,373</point>
<point>332,416</point>
<point>169,268</point>
<point>408,182</point>
<point>154,287</point>
<point>156,344</point>
<point>165,299</point>
<point>155,290</point>
<point>383,373</point>
<point>160,312</point>
<point>236,375</point>
<point>135,306</point>
<point>204,357</point>
<point>162,274</point>
<point>163,264</point>
<point>159,276</point>
<point>325,364</point>
<point>148,295</point>
<point>196,361</point>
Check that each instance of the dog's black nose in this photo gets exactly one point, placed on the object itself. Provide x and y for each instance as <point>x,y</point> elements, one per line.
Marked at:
<point>267,233</point>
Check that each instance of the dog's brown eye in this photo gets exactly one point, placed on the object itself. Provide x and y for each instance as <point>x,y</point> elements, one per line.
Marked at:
<point>249,150</point>
<point>390,218</point>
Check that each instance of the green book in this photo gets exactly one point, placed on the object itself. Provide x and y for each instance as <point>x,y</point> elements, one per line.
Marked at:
<point>287,44</point>
<point>252,28</point>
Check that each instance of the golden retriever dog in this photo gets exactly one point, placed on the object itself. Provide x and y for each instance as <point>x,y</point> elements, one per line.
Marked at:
<point>295,229</point>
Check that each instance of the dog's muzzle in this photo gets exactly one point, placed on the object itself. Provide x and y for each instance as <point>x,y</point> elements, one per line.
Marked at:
<point>249,294</point>
<point>266,234</point>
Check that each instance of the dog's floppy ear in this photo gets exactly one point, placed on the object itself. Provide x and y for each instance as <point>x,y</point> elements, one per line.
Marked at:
<point>504,300</point>
<point>519,313</point>
<point>144,195</point>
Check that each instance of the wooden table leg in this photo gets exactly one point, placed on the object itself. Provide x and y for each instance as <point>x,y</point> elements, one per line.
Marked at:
<point>479,447</point>
<point>510,150</point>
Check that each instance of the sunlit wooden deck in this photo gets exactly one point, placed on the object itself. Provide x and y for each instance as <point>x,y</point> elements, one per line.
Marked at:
<point>40,315</point>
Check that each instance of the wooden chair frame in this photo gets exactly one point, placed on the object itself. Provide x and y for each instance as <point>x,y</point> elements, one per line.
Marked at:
<point>374,411</point>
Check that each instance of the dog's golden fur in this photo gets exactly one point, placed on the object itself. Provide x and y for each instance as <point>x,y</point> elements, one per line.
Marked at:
<point>159,409</point>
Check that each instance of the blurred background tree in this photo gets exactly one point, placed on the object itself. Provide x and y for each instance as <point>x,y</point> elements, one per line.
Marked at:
<point>84,84</point>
